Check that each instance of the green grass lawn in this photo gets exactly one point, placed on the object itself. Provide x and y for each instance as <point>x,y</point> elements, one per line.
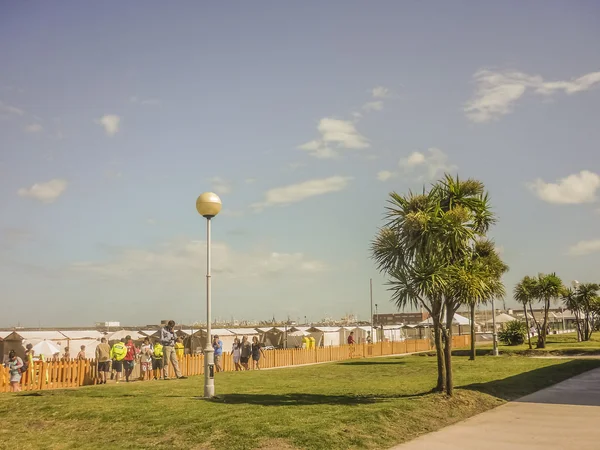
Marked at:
<point>556,344</point>
<point>369,403</point>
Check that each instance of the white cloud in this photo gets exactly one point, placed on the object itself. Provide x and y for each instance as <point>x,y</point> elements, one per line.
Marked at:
<point>220,185</point>
<point>294,193</point>
<point>45,192</point>
<point>577,188</point>
<point>583,248</point>
<point>34,128</point>
<point>341,134</point>
<point>11,110</point>
<point>151,221</point>
<point>296,165</point>
<point>385,175</point>
<point>497,92</point>
<point>380,92</point>
<point>434,163</point>
<point>185,259</point>
<point>373,106</point>
<point>110,122</point>
<point>250,180</point>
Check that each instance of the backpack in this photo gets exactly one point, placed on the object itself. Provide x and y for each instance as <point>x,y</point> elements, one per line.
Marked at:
<point>119,350</point>
<point>158,351</point>
<point>24,367</point>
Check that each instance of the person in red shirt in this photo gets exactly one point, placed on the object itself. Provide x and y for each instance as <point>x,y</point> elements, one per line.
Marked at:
<point>129,360</point>
<point>351,344</point>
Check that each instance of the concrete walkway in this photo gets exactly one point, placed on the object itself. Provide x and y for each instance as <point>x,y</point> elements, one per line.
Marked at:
<point>564,416</point>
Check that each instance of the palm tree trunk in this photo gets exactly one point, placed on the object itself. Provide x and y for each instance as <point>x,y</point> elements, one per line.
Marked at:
<point>541,343</point>
<point>439,352</point>
<point>527,325</point>
<point>448,353</point>
<point>472,357</point>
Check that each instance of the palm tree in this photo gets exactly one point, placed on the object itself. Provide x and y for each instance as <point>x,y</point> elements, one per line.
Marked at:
<point>588,293</point>
<point>572,302</point>
<point>524,294</point>
<point>547,288</point>
<point>425,250</point>
<point>485,255</point>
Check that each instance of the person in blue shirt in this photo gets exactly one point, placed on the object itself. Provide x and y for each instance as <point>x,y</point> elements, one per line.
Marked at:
<point>218,347</point>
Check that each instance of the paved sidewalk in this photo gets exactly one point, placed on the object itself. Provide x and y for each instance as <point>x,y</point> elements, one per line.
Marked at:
<point>564,416</point>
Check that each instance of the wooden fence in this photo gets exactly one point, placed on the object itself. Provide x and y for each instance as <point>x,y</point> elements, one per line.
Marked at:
<point>73,373</point>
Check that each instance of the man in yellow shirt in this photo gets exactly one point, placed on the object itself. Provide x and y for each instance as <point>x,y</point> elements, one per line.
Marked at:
<point>117,354</point>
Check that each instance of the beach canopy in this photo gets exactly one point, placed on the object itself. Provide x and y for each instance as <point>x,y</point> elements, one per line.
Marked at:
<point>458,320</point>
<point>122,334</point>
<point>46,348</point>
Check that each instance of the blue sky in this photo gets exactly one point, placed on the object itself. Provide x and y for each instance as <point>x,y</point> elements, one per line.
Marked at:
<point>302,117</point>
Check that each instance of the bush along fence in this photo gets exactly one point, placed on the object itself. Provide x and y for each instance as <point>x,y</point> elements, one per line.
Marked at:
<point>73,373</point>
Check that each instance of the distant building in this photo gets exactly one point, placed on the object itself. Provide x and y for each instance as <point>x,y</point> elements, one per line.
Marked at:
<point>398,318</point>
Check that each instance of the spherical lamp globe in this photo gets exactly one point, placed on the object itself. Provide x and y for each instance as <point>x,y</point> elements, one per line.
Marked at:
<point>208,204</point>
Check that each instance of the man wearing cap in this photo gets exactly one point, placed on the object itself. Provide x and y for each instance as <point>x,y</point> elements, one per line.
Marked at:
<point>168,339</point>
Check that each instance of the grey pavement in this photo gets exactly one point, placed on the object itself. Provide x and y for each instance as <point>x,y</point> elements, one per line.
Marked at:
<point>563,416</point>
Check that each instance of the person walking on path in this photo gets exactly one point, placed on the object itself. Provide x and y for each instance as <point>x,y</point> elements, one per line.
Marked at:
<point>256,352</point>
<point>236,351</point>
<point>246,352</point>
<point>103,360</point>
<point>117,354</point>
<point>167,339</point>
<point>14,365</point>
<point>218,347</point>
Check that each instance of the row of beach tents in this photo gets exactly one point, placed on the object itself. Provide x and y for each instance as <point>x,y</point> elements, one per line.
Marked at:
<point>51,342</point>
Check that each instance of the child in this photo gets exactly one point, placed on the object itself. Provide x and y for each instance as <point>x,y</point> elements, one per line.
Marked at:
<point>157,360</point>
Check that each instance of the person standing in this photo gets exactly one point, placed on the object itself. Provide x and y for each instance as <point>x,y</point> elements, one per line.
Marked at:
<point>117,354</point>
<point>236,351</point>
<point>103,360</point>
<point>179,348</point>
<point>81,354</point>
<point>157,360</point>
<point>218,348</point>
<point>146,359</point>
<point>351,344</point>
<point>167,339</point>
<point>129,360</point>
<point>256,352</point>
<point>246,352</point>
<point>28,367</point>
<point>14,365</point>
<point>67,355</point>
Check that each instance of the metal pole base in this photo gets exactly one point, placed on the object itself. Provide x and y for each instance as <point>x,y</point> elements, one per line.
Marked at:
<point>209,373</point>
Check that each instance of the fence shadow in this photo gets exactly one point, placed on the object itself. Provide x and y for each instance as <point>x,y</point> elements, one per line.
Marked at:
<point>300,399</point>
<point>373,362</point>
<point>517,386</point>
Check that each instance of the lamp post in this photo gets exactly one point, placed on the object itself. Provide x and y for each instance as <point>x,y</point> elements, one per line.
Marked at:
<point>575,285</point>
<point>208,205</point>
<point>494,331</point>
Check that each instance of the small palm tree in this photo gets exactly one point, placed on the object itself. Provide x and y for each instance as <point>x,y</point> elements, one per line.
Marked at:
<point>588,293</point>
<point>547,288</point>
<point>572,302</point>
<point>524,294</point>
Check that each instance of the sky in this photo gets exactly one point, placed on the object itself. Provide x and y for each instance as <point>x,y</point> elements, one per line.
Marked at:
<point>302,117</point>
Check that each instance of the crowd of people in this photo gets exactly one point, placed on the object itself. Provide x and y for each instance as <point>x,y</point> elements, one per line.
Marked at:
<point>117,362</point>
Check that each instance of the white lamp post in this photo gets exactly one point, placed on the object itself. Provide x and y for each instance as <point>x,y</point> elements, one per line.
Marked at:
<point>208,205</point>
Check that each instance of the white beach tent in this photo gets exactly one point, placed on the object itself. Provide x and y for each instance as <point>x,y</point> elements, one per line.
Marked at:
<point>122,334</point>
<point>325,336</point>
<point>458,320</point>
<point>393,333</point>
<point>361,333</point>
<point>225,336</point>
<point>294,338</point>
<point>83,334</point>
<point>46,348</point>
<point>90,347</point>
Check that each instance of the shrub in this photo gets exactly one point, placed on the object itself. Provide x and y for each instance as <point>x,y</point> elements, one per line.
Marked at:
<point>514,333</point>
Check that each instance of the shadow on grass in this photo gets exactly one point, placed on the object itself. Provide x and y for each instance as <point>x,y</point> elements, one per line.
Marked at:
<point>372,362</point>
<point>300,399</point>
<point>517,386</point>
